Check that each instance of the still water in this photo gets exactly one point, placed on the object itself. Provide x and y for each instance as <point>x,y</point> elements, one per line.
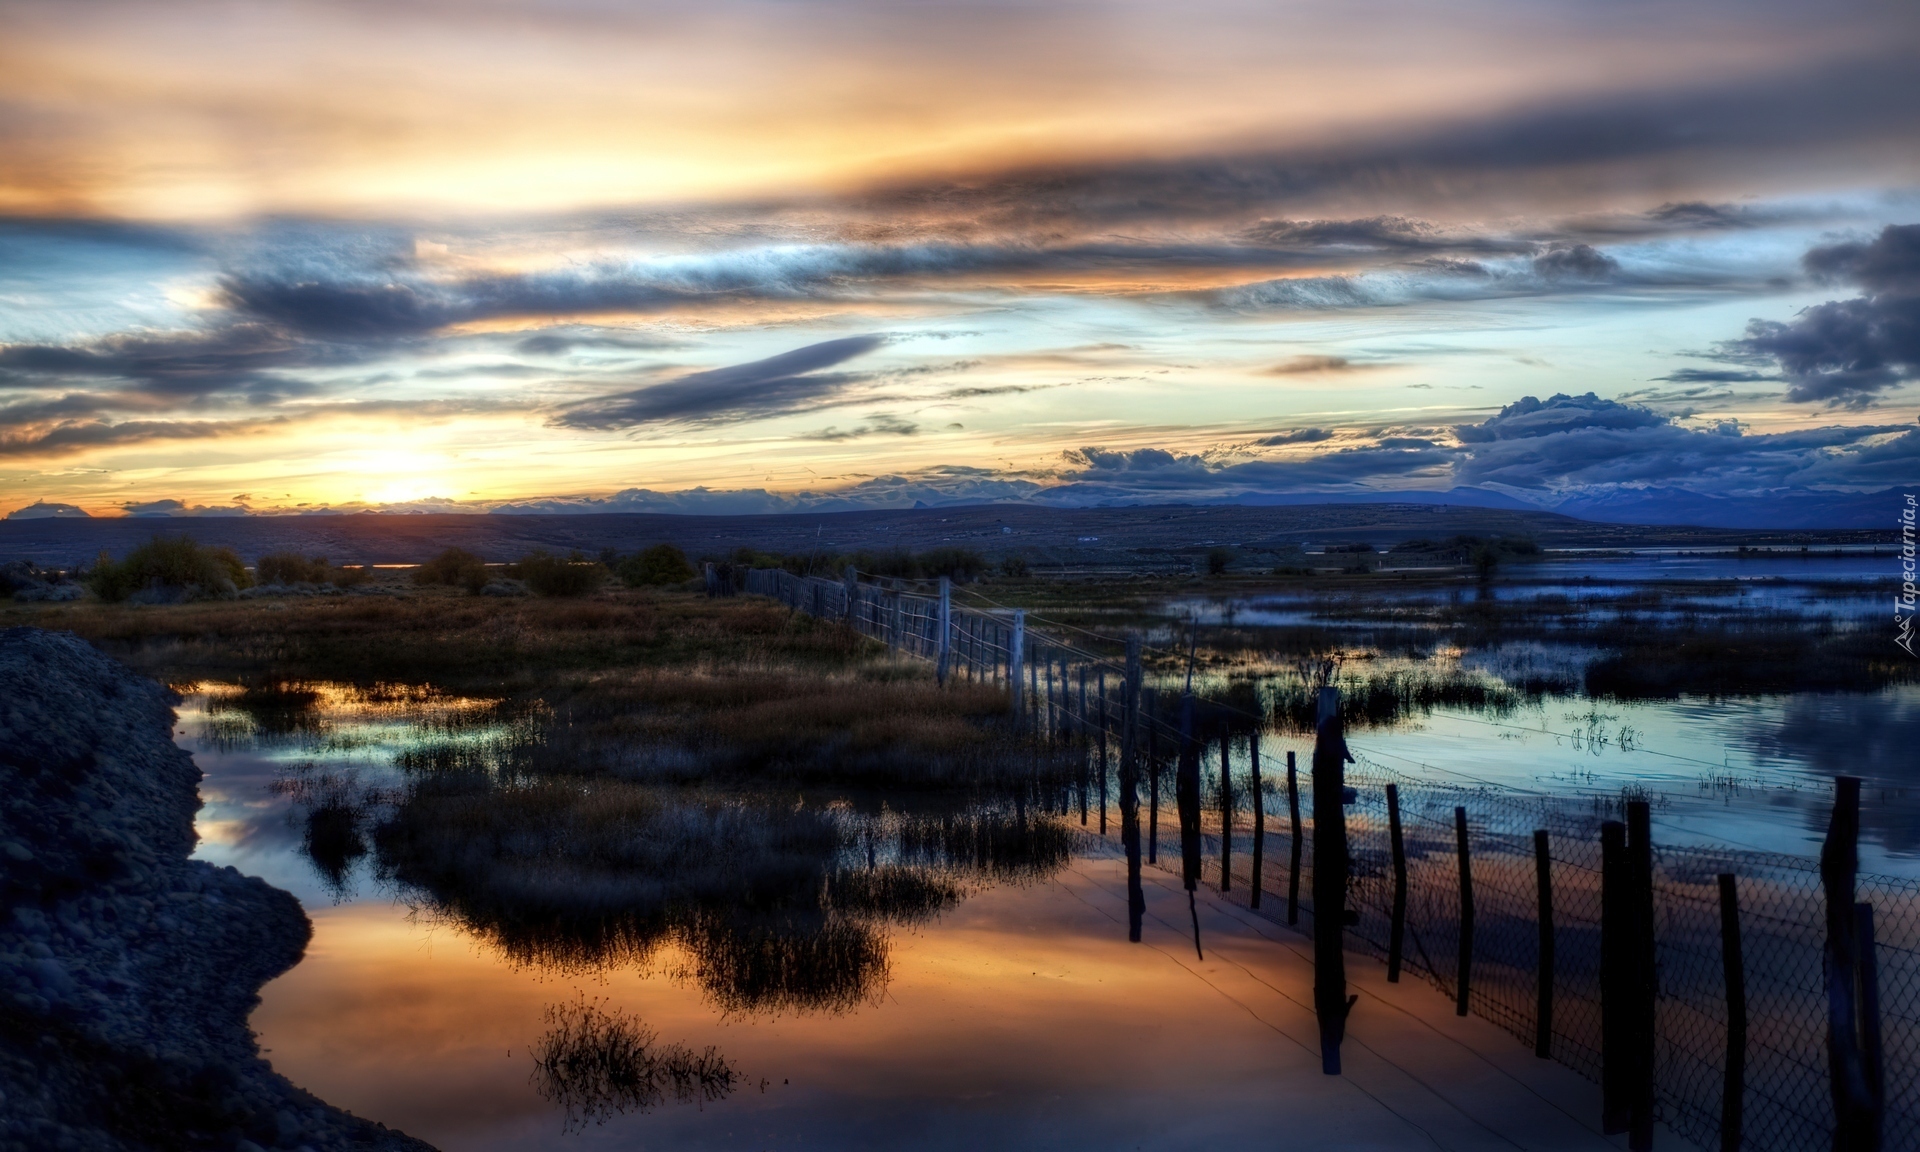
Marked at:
<point>912,971</point>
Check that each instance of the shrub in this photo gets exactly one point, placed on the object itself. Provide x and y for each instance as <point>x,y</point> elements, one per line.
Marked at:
<point>660,564</point>
<point>171,562</point>
<point>962,564</point>
<point>1013,566</point>
<point>1217,560</point>
<point>548,575</point>
<point>291,568</point>
<point>456,567</point>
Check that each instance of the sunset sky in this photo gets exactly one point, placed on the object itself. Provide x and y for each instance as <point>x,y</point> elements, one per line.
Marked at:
<point>747,256</point>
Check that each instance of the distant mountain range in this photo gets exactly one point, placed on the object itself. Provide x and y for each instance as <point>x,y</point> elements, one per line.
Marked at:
<point>1785,508</point>
<point>1782,508</point>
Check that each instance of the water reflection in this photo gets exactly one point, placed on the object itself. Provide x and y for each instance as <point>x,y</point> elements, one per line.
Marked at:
<point>596,1062</point>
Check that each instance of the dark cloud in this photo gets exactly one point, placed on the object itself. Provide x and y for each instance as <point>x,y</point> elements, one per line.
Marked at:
<point>1530,418</point>
<point>877,424</point>
<point>1584,441</point>
<point>1675,134</point>
<point>1296,436</point>
<point>1714,376</point>
<point>1575,262</point>
<point>78,436</point>
<point>236,358</point>
<point>790,382</point>
<point>1396,234</point>
<point>1844,352</point>
<point>1315,365</point>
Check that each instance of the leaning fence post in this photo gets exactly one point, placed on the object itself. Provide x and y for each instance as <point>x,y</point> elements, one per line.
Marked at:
<point>1330,880</point>
<point>1543,978</point>
<point>1854,1127</point>
<point>1293,862</point>
<point>946,628</point>
<point>1259,818</point>
<point>1016,660</point>
<point>1733,1095</point>
<point>1463,968</point>
<point>1397,922</point>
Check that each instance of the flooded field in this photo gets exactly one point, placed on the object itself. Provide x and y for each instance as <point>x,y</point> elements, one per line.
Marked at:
<point>538,922</point>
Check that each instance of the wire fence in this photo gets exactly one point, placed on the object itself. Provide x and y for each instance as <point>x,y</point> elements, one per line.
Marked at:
<point>1068,689</point>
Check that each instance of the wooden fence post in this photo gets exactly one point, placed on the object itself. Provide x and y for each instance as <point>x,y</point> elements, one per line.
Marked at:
<point>1129,789</point>
<point>1101,733</point>
<point>1733,1094</point>
<point>1293,863</point>
<point>1642,969</point>
<point>946,628</point>
<point>1397,922</point>
<point>1226,811</point>
<point>1330,1001</point>
<point>1016,659</point>
<point>1186,791</point>
<point>1463,966</point>
<point>1080,725</point>
<point>1259,818</point>
<point>1855,1127</point>
<point>1150,701</point>
<point>1543,975</point>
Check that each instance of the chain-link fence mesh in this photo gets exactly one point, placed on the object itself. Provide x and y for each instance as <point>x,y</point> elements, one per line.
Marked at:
<point>1782,907</point>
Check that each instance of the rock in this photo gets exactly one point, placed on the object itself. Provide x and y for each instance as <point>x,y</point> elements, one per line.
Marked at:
<point>128,970</point>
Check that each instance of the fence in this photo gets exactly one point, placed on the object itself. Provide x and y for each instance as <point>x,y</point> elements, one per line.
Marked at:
<point>1724,1029</point>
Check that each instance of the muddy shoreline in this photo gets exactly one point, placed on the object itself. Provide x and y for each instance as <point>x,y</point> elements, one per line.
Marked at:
<point>127,970</point>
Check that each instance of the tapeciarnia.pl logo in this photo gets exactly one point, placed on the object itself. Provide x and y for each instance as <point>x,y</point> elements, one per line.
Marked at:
<point>1903,604</point>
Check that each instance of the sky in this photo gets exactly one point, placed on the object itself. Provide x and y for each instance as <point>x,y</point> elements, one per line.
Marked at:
<point>589,255</point>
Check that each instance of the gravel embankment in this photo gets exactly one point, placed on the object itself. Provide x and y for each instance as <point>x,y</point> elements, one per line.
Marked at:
<point>127,971</point>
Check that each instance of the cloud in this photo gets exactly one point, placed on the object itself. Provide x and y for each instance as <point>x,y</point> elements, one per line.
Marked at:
<point>171,507</point>
<point>79,436</point>
<point>1568,442</point>
<point>1316,365</point>
<point>1295,436</point>
<point>1680,135</point>
<point>877,424</point>
<point>1845,352</point>
<point>241,358</point>
<point>1714,376</point>
<point>790,382</point>
<point>1575,262</point>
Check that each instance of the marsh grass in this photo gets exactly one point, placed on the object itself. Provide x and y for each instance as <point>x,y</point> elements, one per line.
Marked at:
<point>597,1062</point>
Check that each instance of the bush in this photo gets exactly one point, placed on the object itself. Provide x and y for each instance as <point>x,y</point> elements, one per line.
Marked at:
<point>962,564</point>
<point>660,564</point>
<point>174,563</point>
<point>1217,560</point>
<point>1013,566</point>
<point>291,568</point>
<point>545,574</point>
<point>455,567</point>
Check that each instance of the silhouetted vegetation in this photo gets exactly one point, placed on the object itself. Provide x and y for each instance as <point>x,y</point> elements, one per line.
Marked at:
<point>1217,561</point>
<point>545,574</point>
<point>456,568</point>
<point>169,568</point>
<point>293,568</point>
<point>652,567</point>
<point>597,1062</point>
